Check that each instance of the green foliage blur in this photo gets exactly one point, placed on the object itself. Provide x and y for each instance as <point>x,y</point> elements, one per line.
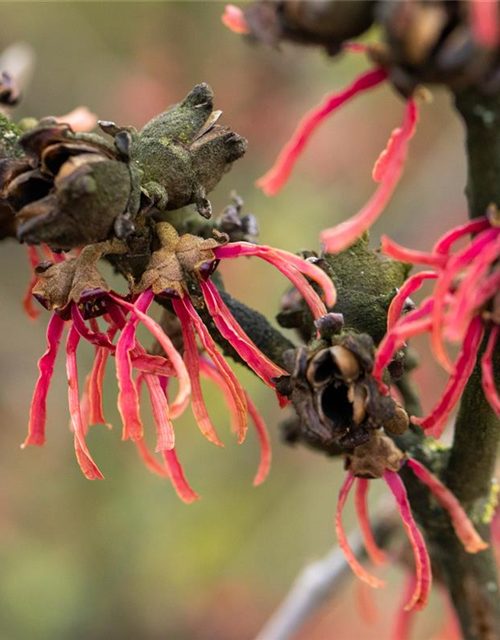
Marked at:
<point>124,558</point>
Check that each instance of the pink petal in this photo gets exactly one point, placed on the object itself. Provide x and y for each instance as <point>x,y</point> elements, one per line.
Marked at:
<point>156,365</point>
<point>128,395</point>
<point>237,338</point>
<point>445,283</point>
<point>287,263</point>
<point>38,408</point>
<point>210,371</point>
<point>398,252</point>
<point>375,553</point>
<point>485,22</point>
<point>435,422</point>
<point>176,475</point>
<point>387,170</point>
<point>151,462</point>
<point>191,359</point>
<point>87,464</point>
<point>181,401</point>
<point>410,286</point>
<point>351,559</point>
<point>234,19</point>
<point>444,244</point>
<point>488,377</point>
<point>224,369</point>
<point>164,428</point>
<point>462,525</point>
<point>408,326</point>
<point>275,179</point>
<point>422,562</point>
<point>94,337</point>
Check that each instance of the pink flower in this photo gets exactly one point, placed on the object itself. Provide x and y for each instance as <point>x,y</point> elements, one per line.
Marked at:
<point>461,306</point>
<point>387,170</point>
<point>77,294</point>
<point>381,458</point>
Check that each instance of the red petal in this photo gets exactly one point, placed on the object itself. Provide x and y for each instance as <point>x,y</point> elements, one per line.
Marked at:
<point>435,422</point>
<point>375,553</point>
<point>224,369</point>
<point>278,175</point>
<point>38,409</point>
<point>237,338</point>
<point>177,477</point>
<point>398,252</point>
<point>464,528</point>
<point>164,428</point>
<point>410,286</point>
<point>388,170</point>
<point>422,562</point>
<point>191,359</point>
<point>87,464</point>
<point>351,559</point>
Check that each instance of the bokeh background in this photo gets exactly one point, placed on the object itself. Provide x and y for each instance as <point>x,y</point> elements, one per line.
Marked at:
<point>124,558</point>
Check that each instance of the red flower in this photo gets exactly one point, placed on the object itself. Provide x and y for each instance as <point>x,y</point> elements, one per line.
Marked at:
<point>461,306</point>
<point>381,458</point>
<point>78,295</point>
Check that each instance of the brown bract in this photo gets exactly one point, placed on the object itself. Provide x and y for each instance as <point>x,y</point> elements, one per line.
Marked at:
<point>68,189</point>
<point>75,279</point>
<point>375,457</point>
<point>180,257</point>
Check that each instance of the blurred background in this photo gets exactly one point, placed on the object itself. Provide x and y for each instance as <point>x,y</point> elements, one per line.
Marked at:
<point>124,558</point>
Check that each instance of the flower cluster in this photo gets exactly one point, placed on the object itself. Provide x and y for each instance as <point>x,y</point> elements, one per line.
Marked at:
<point>380,458</point>
<point>463,304</point>
<point>178,272</point>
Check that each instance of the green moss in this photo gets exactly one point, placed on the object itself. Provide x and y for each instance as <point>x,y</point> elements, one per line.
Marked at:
<point>9,136</point>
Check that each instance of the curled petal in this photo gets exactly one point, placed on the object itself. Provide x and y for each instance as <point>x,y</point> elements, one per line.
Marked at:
<point>444,244</point>
<point>237,338</point>
<point>87,464</point>
<point>234,19</point>
<point>288,263</point>
<point>212,373</point>
<point>156,365</point>
<point>177,477</point>
<point>94,337</point>
<point>410,325</point>
<point>387,170</point>
<point>164,428</point>
<point>181,401</point>
<point>152,463</point>
<point>191,359</point>
<point>398,252</point>
<point>485,22</point>
<point>445,284</point>
<point>375,553</point>
<point>38,408</point>
<point>357,568</point>
<point>466,533</point>
<point>410,286</point>
<point>128,394</point>
<point>434,423</point>
<point>422,562</point>
<point>224,369</point>
<point>275,179</point>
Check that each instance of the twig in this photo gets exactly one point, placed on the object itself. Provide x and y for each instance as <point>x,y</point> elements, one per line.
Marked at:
<point>320,580</point>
